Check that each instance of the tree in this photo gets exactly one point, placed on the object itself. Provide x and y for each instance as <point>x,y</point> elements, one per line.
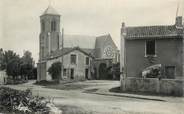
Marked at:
<point>27,65</point>
<point>34,73</point>
<point>13,68</point>
<point>27,58</point>
<point>1,59</point>
<point>7,57</point>
<point>55,71</point>
<point>26,71</point>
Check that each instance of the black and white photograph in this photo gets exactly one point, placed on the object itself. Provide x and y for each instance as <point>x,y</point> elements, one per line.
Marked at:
<point>91,56</point>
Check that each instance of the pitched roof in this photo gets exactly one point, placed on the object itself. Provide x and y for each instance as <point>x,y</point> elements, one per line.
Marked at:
<point>82,41</point>
<point>153,31</point>
<point>64,51</point>
<point>100,40</point>
<point>50,10</point>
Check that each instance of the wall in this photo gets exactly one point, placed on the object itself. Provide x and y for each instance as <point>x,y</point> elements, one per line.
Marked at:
<point>3,77</point>
<point>168,51</point>
<point>102,44</point>
<point>171,87</point>
<point>154,86</point>
<point>79,68</point>
<point>41,71</point>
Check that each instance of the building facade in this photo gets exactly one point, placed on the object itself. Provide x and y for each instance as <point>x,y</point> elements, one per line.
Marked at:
<point>83,56</point>
<point>145,46</point>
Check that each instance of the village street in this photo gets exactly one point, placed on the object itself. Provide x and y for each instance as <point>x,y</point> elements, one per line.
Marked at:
<point>94,98</point>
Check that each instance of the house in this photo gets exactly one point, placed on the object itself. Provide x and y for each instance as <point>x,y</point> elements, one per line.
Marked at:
<point>145,46</point>
<point>72,58</point>
<point>83,56</point>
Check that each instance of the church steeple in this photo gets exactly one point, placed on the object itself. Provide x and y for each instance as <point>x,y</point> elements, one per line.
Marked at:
<point>50,11</point>
<point>50,32</point>
<point>179,14</point>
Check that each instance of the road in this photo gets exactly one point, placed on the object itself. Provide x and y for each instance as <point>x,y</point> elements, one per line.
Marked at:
<point>77,101</point>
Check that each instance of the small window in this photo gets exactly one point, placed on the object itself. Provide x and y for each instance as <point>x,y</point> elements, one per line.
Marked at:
<point>87,60</point>
<point>43,26</point>
<point>42,52</point>
<point>170,72</point>
<point>73,59</point>
<point>64,72</point>
<point>53,26</point>
<point>150,47</point>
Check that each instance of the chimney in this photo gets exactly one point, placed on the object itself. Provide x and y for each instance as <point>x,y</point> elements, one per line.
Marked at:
<point>178,22</point>
<point>123,29</point>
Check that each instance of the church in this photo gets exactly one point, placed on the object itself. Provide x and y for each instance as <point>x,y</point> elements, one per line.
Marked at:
<point>83,57</point>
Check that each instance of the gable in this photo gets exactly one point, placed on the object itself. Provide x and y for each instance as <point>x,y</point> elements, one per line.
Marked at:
<point>103,42</point>
<point>66,51</point>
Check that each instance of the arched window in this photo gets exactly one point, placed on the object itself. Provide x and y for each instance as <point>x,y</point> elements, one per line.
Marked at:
<point>53,25</point>
<point>43,26</point>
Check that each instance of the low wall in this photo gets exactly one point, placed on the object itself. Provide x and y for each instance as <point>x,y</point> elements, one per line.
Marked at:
<point>153,85</point>
<point>3,77</point>
<point>172,87</point>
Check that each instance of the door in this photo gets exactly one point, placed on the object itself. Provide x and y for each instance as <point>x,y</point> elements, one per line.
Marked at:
<point>170,72</point>
<point>86,73</point>
<point>72,73</point>
<point>102,71</point>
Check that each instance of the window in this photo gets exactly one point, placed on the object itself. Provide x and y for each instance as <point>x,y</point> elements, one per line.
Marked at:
<point>150,47</point>
<point>43,26</point>
<point>58,40</point>
<point>73,59</point>
<point>170,72</point>
<point>53,26</point>
<point>64,72</point>
<point>87,60</point>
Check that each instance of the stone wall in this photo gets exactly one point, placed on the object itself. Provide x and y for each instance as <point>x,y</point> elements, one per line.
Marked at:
<point>171,87</point>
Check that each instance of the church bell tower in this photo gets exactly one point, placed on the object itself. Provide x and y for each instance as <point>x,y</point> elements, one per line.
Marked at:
<point>50,33</point>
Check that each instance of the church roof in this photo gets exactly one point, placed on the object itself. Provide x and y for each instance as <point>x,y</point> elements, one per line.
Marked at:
<point>163,31</point>
<point>100,40</point>
<point>50,10</point>
<point>82,41</point>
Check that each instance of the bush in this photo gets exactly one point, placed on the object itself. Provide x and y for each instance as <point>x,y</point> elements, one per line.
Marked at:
<point>21,101</point>
<point>55,71</point>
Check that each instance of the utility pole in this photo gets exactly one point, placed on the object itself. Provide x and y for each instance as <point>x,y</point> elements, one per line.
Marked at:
<point>62,45</point>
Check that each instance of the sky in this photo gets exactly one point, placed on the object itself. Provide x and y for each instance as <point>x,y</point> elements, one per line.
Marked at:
<point>20,23</point>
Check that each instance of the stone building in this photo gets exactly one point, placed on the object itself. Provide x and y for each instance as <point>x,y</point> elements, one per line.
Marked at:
<point>84,57</point>
<point>165,45</point>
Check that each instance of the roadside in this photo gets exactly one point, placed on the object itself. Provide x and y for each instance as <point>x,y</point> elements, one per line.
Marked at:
<point>103,87</point>
<point>88,100</point>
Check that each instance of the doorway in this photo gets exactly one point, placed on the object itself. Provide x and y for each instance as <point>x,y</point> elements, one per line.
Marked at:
<point>170,72</point>
<point>102,71</point>
<point>86,73</point>
<point>72,73</point>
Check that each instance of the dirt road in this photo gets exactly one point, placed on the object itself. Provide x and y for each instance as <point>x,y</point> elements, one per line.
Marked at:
<point>78,101</point>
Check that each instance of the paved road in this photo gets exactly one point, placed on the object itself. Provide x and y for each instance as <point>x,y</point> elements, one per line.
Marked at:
<point>102,104</point>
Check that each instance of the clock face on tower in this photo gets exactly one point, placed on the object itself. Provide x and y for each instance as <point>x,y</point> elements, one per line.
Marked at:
<point>108,52</point>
